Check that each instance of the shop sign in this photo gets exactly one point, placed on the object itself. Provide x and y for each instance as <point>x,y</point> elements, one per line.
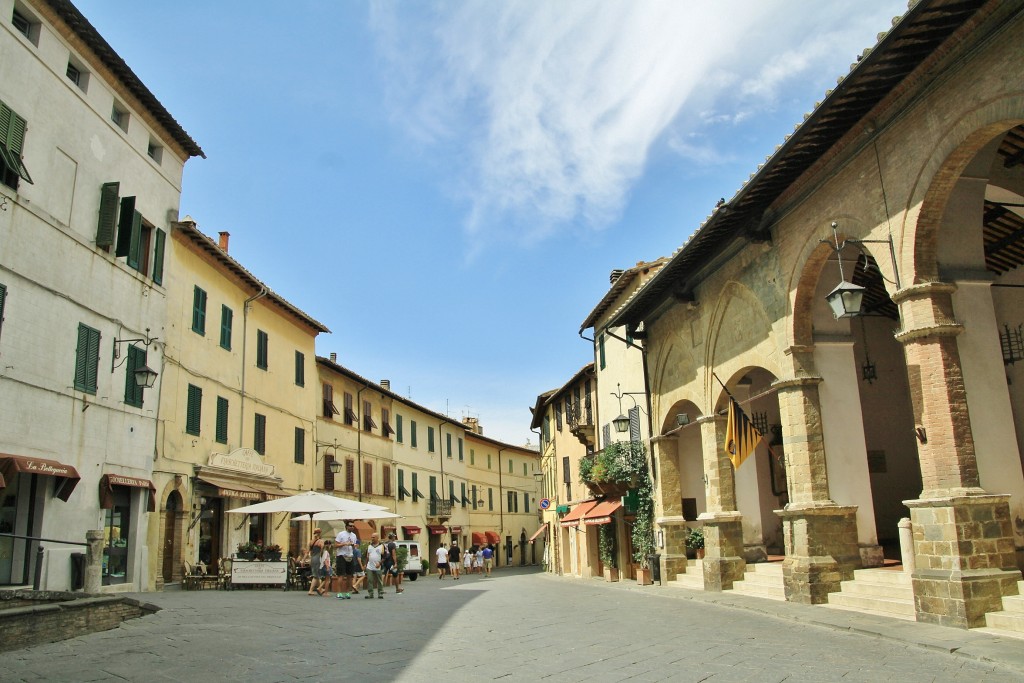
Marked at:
<point>51,469</point>
<point>258,572</point>
<point>242,460</point>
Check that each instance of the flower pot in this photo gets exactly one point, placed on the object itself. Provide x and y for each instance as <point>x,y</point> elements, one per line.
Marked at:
<point>700,553</point>
<point>644,577</point>
<point>246,555</point>
<point>611,574</point>
<point>273,557</point>
<point>609,488</point>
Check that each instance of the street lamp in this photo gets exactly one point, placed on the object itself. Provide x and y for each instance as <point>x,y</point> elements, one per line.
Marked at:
<point>333,465</point>
<point>621,423</point>
<point>145,376</point>
<point>847,299</point>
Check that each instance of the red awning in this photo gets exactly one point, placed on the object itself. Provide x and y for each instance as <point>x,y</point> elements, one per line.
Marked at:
<point>573,518</point>
<point>436,530</point>
<point>455,530</point>
<point>411,530</point>
<point>538,532</point>
<point>66,475</point>
<point>109,481</point>
<point>388,528</point>
<point>230,489</point>
<point>602,512</point>
<point>492,537</point>
<point>479,538</point>
<point>364,529</point>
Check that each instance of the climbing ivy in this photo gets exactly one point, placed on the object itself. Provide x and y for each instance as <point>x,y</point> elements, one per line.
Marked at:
<point>626,461</point>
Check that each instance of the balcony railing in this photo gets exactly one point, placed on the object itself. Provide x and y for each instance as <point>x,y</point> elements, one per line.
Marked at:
<point>439,508</point>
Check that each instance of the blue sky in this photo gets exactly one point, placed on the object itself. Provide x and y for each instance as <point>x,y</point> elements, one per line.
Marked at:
<point>448,185</point>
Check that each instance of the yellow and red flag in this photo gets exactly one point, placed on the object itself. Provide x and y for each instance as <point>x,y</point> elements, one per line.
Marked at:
<point>741,437</point>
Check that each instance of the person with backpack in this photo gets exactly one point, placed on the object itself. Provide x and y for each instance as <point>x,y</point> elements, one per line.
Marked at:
<point>374,566</point>
<point>392,573</point>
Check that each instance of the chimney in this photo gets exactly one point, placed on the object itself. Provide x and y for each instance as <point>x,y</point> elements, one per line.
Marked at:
<point>223,243</point>
<point>334,357</point>
<point>473,425</point>
<point>385,384</point>
<point>615,275</point>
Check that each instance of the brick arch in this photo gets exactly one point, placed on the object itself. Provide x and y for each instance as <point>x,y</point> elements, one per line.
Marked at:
<point>926,203</point>
<point>810,266</point>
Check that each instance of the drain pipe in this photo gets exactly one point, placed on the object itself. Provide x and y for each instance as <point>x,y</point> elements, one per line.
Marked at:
<point>359,441</point>
<point>245,325</point>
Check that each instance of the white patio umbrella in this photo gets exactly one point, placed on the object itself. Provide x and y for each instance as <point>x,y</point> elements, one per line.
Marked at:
<point>310,502</point>
<point>335,515</point>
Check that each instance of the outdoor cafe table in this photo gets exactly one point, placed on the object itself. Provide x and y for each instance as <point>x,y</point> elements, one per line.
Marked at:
<point>259,573</point>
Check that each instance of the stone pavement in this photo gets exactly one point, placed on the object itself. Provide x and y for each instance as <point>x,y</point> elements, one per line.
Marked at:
<point>520,625</point>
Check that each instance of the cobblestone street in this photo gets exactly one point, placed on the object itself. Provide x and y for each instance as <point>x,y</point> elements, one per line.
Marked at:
<point>520,625</point>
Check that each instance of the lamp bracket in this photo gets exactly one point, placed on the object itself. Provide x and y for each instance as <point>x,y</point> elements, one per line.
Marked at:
<point>146,340</point>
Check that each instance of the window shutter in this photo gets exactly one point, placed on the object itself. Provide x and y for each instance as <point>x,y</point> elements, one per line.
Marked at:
<point>399,436</point>
<point>566,475</point>
<point>222,419</point>
<point>260,435</point>
<point>300,369</point>
<point>87,359</point>
<point>473,502</point>
<point>194,410</point>
<point>124,226</point>
<point>14,139</point>
<point>350,475</point>
<point>300,445</point>
<point>6,113</point>
<point>132,391</point>
<point>368,477</point>
<point>108,215</point>
<point>226,318</point>
<point>606,434</point>
<point>451,491</point>
<point>328,474</point>
<point>463,489</point>
<point>158,256</point>
<point>401,484</point>
<point>386,476</point>
<point>526,501</point>
<point>136,241</point>
<point>3,301</point>
<point>634,424</point>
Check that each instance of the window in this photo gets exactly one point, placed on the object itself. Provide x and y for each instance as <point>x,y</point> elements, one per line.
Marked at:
<point>350,414</point>
<point>416,495</point>
<point>262,342</point>
<point>227,317</point>
<point>3,300</point>
<point>433,489</point>
<point>451,492</point>
<point>385,422</point>
<point>300,445</point>
<point>525,471</point>
<point>449,439</point>
<point>461,458</point>
<point>222,420</point>
<point>368,477</point>
<point>412,432</point>
<point>526,501</point>
<point>193,409</point>
<point>463,490</point>
<point>474,498</point>
<point>300,369</point>
<point>488,461</point>
<point>350,475</point>
<point>259,434</point>
<point>398,429</point>
<point>490,499</point>
<point>510,466</point>
<point>22,24</point>
<point>132,391</point>
<point>600,350</point>
<point>87,359</point>
<point>328,474</point>
<point>472,457</point>
<point>12,140</point>
<point>119,115</point>
<point>511,497</point>
<point>155,151</point>
<point>368,424</point>
<point>329,410</point>
<point>558,415</point>
<point>402,491</point>
<point>386,478</point>
<point>198,304</point>
<point>77,74</point>
<point>430,439</point>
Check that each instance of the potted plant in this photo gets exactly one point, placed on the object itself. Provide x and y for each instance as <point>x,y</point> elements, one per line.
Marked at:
<point>247,550</point>
<point>606,549</point>
<point>272,553</point>
<point>695,542</point>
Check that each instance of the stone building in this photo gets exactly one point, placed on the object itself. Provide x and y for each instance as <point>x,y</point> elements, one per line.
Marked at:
<point>90,179</point>
<point>904,185</point>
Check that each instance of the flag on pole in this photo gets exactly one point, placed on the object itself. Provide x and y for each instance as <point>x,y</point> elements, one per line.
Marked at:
<point>741,437</point>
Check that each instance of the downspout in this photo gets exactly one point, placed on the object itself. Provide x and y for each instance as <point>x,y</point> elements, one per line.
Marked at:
<point>359,441</point>
<point>501,513</point>
<point>442,456</point>
<point>550,491</point>
<point>245,326</point>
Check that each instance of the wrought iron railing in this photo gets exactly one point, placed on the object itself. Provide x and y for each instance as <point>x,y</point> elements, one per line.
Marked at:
<point>439,508</point>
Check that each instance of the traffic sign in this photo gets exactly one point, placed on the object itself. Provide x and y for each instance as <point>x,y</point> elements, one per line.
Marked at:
<point>545,503</point>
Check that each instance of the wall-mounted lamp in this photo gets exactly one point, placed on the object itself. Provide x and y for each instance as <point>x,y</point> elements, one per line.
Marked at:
<point>621,423</point>
<point>682,419</point>
<point>145,376</point>
<point>334,465</point>
<point>847,299</point>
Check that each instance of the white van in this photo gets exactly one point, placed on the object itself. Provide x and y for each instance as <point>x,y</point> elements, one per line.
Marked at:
<point>414,563</point>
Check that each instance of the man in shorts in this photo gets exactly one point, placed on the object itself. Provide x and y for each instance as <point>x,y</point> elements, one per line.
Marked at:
<point>488,560</point>
<point>345,542</point>
<point>391,573</point>
<point>442,561</point>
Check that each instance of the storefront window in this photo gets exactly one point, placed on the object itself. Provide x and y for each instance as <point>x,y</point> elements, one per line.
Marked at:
<point>8,511</point>
<point>209,532</point>
<point>117,529</point>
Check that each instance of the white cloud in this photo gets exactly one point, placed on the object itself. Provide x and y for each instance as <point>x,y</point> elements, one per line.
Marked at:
<point>551,108</point>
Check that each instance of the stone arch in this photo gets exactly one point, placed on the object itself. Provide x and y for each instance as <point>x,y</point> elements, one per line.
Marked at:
<point>926,203</point>
<point>172,531</point>
<point>733,352</point>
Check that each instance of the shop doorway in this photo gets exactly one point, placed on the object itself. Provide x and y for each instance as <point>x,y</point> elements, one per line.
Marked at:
<point>172,528</point>
<point>210,532</point>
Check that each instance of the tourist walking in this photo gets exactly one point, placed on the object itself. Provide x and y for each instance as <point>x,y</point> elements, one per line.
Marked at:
<point>374,565</point>
<point>453,559</point>
<point>391,569</point>
<point>359,578</point>
<point>488,560</point>
<point>442,561</point>
<point>316,549</point>
<point>346,540</point>
<point>467,562</point>
<point>478,560</point>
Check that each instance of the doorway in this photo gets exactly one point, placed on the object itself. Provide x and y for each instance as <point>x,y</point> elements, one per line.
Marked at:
<point>172,525</point>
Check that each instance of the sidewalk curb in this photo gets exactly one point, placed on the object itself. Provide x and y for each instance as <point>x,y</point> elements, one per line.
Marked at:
<point>1007,653</point>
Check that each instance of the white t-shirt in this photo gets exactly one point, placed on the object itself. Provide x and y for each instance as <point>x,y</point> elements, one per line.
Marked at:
<point>442,555</point>
<point>374,555</point>
<point>346,537</point>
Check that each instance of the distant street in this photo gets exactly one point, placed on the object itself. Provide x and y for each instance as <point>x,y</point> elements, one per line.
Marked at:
<point>520,625</point>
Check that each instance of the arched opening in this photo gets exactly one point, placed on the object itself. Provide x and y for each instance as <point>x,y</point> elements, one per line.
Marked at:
<point>681,462</point>
<point>173,516</point>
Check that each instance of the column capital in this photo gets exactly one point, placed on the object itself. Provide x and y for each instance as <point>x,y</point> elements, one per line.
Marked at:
<point>922,290</point>
<point>796,382</point>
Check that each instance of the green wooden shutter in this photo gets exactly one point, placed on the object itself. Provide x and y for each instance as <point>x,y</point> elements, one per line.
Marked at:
<point>398,428</point>
<point>158,256</point>
<point>132,391</point>
<point>198,310</point>
<point>226,317</point>
<point>136,241</point>
<point>300,445</point>
<point>14,140</point>
<point>87,359</point>
<point>260,435</point>
<point>124,226</point>
<point>6,114</point>
<point>3,300</point>
<point>108,214</point>
<point>222,420</point>
<point>300,369</point>
<point>194,410</point>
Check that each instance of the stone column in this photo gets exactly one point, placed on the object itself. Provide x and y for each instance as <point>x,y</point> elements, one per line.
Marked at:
<point>963,538</point>
<point>668,506</point>
<point>820,536</point>
<point>723,525</point>
<point>94,561</point>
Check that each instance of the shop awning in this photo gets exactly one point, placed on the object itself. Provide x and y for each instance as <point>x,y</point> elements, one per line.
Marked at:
<point>364,529</point>
<point>436,529</point>
<point>230,489</point>
<point>66,475</point>
<point>538,533</point>
<point>479,538</point>
<point>601,513</point>
<point>270,492</point>
<point>109,481</point>
<point>573,518</point>
<point>411,530</point>
<point>388,528</point>
<point>455,530</point>
<point>492,537</point>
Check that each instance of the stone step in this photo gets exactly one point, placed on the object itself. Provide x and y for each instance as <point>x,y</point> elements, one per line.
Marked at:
<point>886,607</point>
<point>890,576</point>
<point>1017,635</point>
<point>1006,621</point>
<point>867,589</point>
<point>693,579</point>
<point>763,580</point>
<point>769,568</point>
<point>759,590</point>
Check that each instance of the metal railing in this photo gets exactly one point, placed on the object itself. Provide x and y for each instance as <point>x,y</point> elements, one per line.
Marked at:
<point>439,508</point>
<point>38,573</point>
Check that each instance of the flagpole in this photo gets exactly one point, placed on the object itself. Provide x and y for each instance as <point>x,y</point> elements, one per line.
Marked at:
<point>728,393</point>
